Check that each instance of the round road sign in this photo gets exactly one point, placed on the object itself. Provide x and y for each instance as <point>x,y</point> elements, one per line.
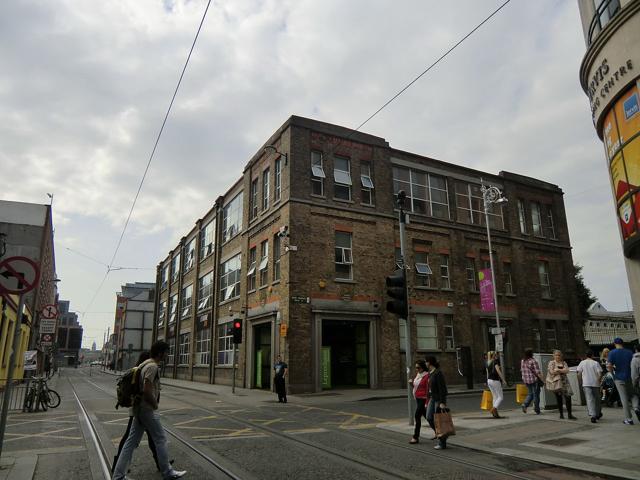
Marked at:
<point>18,275</point>
<point>49,312</point>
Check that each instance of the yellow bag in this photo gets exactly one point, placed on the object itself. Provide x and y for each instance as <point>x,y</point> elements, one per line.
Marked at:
<point>521,392</point>
<point>487,400</point>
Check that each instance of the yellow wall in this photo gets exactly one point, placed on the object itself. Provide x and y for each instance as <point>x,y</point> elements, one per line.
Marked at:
<point>7,329</point>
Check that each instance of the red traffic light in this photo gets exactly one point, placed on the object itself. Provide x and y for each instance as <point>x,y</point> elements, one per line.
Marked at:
<point>237,324</point>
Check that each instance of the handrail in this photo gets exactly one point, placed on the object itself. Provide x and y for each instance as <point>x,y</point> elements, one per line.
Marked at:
<point>595,22</point>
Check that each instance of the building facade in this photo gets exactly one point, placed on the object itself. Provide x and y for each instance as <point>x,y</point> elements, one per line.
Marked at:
<point>133,323</point>
<point>299,247</point>
<point>603,326</point>
<point>610,76</point>
<point>69,336</point>
<point>8,321</point>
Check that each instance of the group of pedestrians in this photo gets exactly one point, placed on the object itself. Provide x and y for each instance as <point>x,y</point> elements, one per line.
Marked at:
<point>430,392</point>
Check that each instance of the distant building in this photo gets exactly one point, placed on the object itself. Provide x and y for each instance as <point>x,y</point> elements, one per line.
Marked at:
<point>69,339</point>
<point>93,347</point>
<point>603,326</point>
<point>27,230</point>
<point>133,322</point>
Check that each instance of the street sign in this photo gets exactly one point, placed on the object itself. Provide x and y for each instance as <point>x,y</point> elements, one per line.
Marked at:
<point>47,326</point>
<point>497,331</point>
<point>18,275</point>
<point>46,340</point>
<point>297,299</point>
<point>49,311</point>
<point>499,345</point>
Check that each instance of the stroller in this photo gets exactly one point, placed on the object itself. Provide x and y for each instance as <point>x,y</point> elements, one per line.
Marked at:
<point>610,395</point>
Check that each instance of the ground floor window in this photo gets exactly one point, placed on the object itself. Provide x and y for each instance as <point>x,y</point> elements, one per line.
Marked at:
<point>203,347</point>
<point>171,356</point>
<point>185,341</point>
<point>225,344</point>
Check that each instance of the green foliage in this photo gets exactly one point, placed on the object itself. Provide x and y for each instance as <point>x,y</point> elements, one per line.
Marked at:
<point>585,297</point>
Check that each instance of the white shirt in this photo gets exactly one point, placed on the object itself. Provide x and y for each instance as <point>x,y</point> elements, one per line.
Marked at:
<point>591,372</point>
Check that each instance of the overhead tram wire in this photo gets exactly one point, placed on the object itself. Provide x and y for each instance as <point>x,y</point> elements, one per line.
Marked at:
<point>153,151</point>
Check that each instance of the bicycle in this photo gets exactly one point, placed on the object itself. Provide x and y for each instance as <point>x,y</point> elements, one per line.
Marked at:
<point>41,396</point>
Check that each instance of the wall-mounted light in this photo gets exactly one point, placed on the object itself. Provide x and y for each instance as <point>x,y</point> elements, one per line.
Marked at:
<point>273,149</point>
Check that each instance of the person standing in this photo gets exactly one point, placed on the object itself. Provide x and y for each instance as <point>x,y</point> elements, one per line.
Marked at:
<point>635,380</point>
<point>603,358</point>
<point>420,386</point>
<point>620,358</point>
<point>558,383</point>
<point>437,396</point>
<point>281,369</point>
<point>495,379</point>
<point>532,378</point>
<point>147,418</point>
<point>590,372</point>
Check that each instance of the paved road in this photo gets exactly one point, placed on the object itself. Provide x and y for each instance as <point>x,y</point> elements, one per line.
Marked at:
<point>260,440</point>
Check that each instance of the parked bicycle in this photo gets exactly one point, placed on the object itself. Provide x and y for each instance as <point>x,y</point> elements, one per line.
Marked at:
<point>41,396</point>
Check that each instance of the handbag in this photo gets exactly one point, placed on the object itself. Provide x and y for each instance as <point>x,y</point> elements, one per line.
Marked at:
<point>487,400</point>
<point>444,423</point>
<point>553,383</point>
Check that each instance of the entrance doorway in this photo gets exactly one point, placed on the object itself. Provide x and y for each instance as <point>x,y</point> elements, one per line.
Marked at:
<point>345,354</point>
<point>262,356</point>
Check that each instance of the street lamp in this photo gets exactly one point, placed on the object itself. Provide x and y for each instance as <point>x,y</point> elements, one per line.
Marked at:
<point>492,195</point>
<point>273,149</point>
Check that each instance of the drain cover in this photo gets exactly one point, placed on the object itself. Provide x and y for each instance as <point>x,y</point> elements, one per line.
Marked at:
<point>563,442</point>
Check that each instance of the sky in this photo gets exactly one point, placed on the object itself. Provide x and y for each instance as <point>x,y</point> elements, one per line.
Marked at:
<point>84,87</point>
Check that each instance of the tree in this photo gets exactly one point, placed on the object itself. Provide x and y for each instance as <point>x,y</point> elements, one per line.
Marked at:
<point>585,297</point>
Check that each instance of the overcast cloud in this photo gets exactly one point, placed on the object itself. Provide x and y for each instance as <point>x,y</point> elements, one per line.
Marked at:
<point>84,86</point>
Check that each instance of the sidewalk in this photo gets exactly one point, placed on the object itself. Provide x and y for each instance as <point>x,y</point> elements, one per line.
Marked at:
<point>608,447</point>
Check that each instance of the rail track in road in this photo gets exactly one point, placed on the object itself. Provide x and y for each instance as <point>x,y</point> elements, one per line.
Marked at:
<point>368,466</point>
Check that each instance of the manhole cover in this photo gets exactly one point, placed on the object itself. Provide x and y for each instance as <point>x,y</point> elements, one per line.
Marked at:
<point>563,442</point>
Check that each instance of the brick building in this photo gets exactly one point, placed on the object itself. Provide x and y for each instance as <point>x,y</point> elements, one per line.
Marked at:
<point>300,246</point>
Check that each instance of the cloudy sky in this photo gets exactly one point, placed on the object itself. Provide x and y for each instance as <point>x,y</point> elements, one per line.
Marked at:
<point>84,86</point>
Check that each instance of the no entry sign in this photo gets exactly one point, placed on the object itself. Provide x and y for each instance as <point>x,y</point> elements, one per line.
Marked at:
<point>18,275</point>
<point>49,311</point>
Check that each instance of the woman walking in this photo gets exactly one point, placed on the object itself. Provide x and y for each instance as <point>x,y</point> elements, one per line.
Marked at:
<point>420,386</point>
<point>558,383</point>
<point>495,379</point>
<point>437,397</point>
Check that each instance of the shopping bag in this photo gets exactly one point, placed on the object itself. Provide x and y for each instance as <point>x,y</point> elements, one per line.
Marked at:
<point>487,400</point>
<point>444,423</point>
<point>521,392</point>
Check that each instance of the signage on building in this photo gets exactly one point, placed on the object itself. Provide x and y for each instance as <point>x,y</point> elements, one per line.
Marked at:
<point>298,299</point>
<point>47,326</point>
<point>18,275</point>
<point>49,311</point>
<point>46,340</point>
<point>30,360</point>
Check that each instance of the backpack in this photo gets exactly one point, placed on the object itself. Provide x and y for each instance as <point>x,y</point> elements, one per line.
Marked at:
<point>128,388</point>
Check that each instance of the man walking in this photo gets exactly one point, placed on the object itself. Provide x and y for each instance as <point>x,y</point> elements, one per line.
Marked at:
<point>635,380</point>
<point>281,369</point>
<point>590,372</point>
<point>147,418</point>
<point>532,378</point>
<point>620,359</point>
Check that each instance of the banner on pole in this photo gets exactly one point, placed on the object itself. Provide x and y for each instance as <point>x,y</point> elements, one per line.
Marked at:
<point>487,303</point>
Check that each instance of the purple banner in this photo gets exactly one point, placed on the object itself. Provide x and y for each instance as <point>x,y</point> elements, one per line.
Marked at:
<point>486,291</point>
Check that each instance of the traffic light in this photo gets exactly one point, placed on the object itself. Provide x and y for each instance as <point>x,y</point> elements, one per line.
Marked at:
<point>397,291</point>
<point>237,331</point>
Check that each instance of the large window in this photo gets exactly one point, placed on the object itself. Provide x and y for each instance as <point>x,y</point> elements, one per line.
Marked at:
<point>470,268</point>
<point>230,278</point>
<point>545,282</point>
<point>445,276</point>
<point>277,180</point>
<point>189,254</point>
<point>265,189</point>
<point>205,291</point>
<point>522,217</point>
<point>203,347</point>
<point>449,338</point>
<point>164,277</point>
<point>162,311</point>
<point>185,341</point>
<point>508,280</point>
<point>264,263</point>
<point>367,183</point>
<point>276,257</point>
<point>207,235</point>
<point>225,344</point>
<point>173,308</point>
<point>427,332</point>
<point>251,270</point>
<point>175,267</point>
<point>470,206</point>
<point>536,219</point>
<point>187,297</point>
<point>171,355</point>
<point>426,193</point>
<point>605,11</point>
<point>342,178</point>
<point>344,256</point>
<point>423,270</point>
<point>550,228</point>
<point>253,199</point>
<point>317,174</point>
<point>232,218</point>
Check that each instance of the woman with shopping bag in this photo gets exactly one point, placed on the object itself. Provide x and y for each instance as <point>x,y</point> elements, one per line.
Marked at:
<point>420,386</point>
<point>558,383</point>
<point>438,404</point>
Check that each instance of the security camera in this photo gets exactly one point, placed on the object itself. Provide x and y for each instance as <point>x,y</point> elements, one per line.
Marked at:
<point>283,231</point>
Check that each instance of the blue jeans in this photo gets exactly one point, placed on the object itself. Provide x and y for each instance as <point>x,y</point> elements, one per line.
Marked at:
<point>148,420</point>
<point>534,394</point>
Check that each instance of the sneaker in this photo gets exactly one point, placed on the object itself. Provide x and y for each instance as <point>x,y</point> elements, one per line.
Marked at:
<point>439,447</point>
<point>628,422</point>
<point>593,420</point>
<point>176,474</point>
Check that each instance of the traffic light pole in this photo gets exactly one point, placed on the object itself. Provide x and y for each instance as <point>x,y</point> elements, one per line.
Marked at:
<point>408,361</point>
<point>233,380</point>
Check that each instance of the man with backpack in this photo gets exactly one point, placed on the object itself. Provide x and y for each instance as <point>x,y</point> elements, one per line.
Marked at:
<point>146,418</point>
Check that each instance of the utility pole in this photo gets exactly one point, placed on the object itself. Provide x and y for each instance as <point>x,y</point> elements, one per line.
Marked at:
<point>408,357</point>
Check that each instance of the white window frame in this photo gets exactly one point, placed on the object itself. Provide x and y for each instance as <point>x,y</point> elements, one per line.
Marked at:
<point>536,219</point>
<point>251,269</point>
<point>171,354</point>
<point>189,254</point>
<point>508,279</point>
<point>253,199</point>
<point>344,255</point>
<point>164,277</point>
<point>413,187</point>
<point>207,242</point>
<point>277,180</point>
<point>449,333</point>
<point>205,291</point>
<point>445,273</point>
<point>184,349</point>
<point>175,267</point>
<point>366,182</point>
<point>203,347</point>
<point>317,171</point>
<point>264,263</point>
<point>187,301</point>
<point>545,279</point>
<point>173,308</point>
<point>470,269</point>
<point>426,331</point>
<point>276,257</point>
<point>266,181</point>
<point>232,218</point>
<point>342,178</point>
<point>522,217</point>
<point>424,273</point>
<point>224,355</point>
<point>230,278</point>
<point>551,228</point>
<point>162,312</point>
